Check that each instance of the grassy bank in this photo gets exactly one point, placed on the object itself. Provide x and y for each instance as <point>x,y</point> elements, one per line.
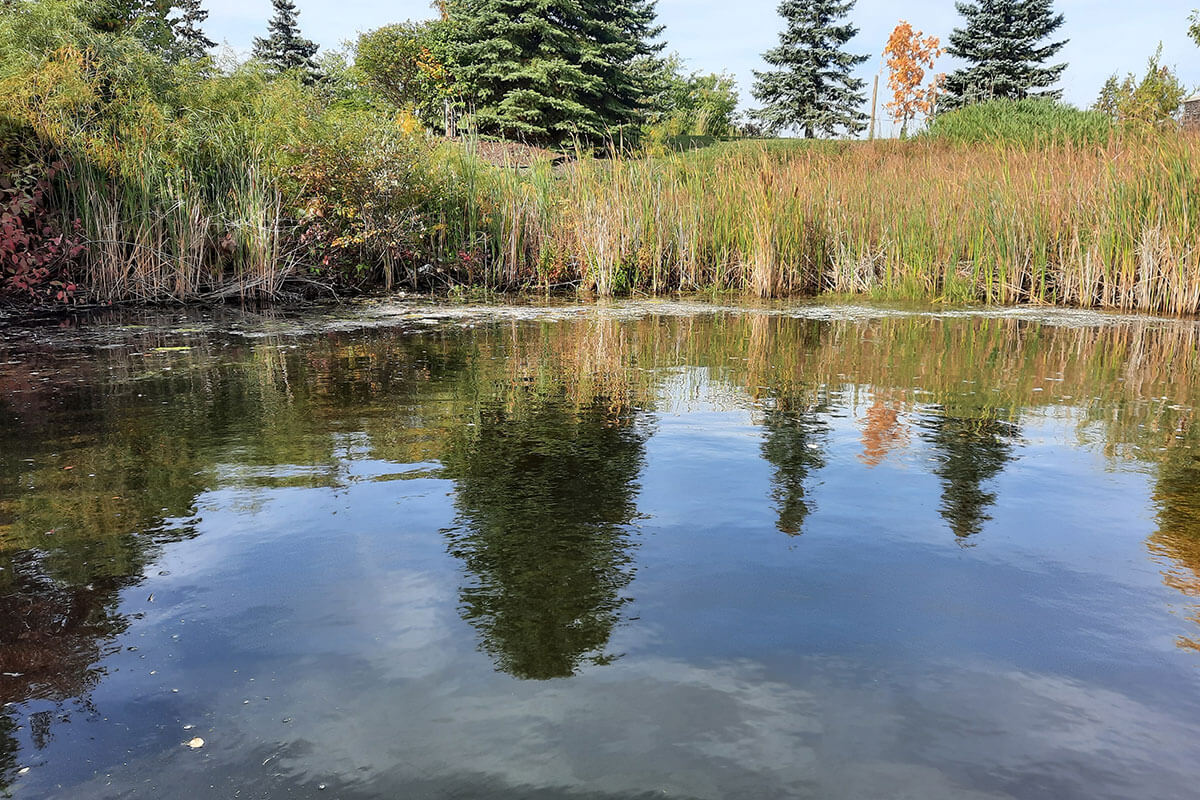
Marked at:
<point>1068,224</point>
<point>1072,224</point>
<point>127,177</point>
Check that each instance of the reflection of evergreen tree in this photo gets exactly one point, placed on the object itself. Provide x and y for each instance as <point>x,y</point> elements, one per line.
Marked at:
<point>973,451</point>
<point>545,498</point>
<point>1177,495</point>
<point>793,446</point>
<point>1177,491</point>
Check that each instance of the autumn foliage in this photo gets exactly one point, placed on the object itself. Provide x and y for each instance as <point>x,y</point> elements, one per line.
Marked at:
<point>36,255</point>
<point>883,432</point>
<point>908,55</point>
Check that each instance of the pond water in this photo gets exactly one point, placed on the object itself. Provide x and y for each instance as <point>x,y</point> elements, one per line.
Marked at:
<point>643,550</point>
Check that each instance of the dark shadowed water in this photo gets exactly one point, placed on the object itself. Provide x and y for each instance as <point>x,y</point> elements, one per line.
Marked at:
<point>654,550</point>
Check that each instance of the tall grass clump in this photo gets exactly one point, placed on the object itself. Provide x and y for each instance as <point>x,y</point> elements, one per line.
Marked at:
<point>1031,122</point>
<point>1110,226</point>
<point>167,176</point>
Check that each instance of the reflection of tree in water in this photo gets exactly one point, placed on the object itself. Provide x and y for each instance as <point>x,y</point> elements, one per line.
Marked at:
<point>86,531</point>
<point>883,432</point>
<point>545,498</point>
<point>973,451</point>
<point>1177,495</point>
<point>794,445</point>
<point>52,634</point>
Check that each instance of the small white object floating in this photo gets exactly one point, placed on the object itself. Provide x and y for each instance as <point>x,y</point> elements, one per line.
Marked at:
<point>196,743</point>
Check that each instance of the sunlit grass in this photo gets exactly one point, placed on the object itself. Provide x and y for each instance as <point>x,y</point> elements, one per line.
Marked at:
<point>1071,224</point>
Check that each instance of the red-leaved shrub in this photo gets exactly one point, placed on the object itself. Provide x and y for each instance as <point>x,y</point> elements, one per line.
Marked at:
<point>36,255</point>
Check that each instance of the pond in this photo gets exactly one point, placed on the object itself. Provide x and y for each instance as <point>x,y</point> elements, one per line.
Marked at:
<point>638,550</point>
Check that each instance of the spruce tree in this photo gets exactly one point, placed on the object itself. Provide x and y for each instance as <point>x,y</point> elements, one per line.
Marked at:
<point>1004,45</point>
<point>145,20</point>
<point>547,71</point>
<point>189,35</point>
<point>811,87</point>
<point>285,50</point>
<point>154,23</point>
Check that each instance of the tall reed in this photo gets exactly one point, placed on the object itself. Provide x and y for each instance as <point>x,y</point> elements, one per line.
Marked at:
<point>1112,226</point>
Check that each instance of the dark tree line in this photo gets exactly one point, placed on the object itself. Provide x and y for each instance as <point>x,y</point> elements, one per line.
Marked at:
<point>554,72</point>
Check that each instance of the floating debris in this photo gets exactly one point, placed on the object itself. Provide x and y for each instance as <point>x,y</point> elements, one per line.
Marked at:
<point>196,743</point>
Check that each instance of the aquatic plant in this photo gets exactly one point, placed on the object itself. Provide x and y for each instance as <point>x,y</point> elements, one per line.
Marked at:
<point>1059,223</point>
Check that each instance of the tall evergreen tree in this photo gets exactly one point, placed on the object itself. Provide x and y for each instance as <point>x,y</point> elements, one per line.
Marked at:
<point>285,49</point>
<point>155,23</point>
<point>811,87</point>
<point>1004,45</point>
<point>545,71</point>
<point>189,35</point>
<point>146,20</point>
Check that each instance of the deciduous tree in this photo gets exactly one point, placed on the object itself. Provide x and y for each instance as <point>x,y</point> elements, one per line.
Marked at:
<point>1154,99</point>
<point>695,104</point>
<point>908,55</point>
<point>407,63</point>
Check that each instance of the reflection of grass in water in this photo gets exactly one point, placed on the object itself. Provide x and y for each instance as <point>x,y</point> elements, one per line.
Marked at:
<point>411,399</point>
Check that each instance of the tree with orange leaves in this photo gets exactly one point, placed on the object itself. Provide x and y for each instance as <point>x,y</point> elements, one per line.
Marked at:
<point>908,55</point>
<point>883,432</point>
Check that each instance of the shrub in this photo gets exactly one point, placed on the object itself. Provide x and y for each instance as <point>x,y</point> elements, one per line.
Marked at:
<point>360,188</point>
<point>36,255</point>
<point>1152,101</point>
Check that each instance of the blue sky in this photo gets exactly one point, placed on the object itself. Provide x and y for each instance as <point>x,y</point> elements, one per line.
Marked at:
<point>1106,36</point>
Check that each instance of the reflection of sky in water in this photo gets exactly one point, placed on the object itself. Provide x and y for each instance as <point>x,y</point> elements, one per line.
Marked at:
<point>314,625</point>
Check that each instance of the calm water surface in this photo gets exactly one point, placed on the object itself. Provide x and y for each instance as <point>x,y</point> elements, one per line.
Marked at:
<point>652,550</point>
